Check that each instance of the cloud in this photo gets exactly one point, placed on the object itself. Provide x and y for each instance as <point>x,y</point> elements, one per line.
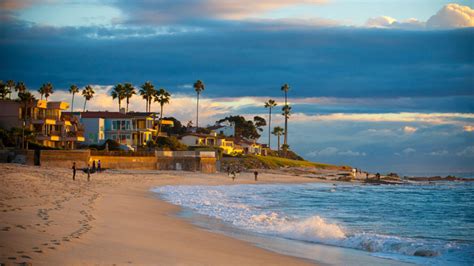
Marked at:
<point>439,153</point>
<point>332,151</point>
<point>452,16</point>
<point>466,152</point>
<point>468,128</point>
<point>180,11</point>
<point>429,118</point>
<point>408,151</point>
<point>389,22</point>
<point>409,130</point>
<point>449,16</point>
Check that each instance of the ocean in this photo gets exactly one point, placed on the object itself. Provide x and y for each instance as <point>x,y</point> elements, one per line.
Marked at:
<point>428,224</point>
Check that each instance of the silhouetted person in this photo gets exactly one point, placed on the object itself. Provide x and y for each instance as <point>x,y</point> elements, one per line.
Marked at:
<point>233,175</point>
<point>73,171</point>
<point>377,175</point>
<point>256,175</point>
<point>99,166</point>
<point>93,166</point>
<point>228,170</point>
<point>366,176</point>
<point>88,170</point>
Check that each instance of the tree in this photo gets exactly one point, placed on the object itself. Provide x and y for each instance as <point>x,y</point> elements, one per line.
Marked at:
<point>177,128</point>
<point>73,90</point>
<point>20,87</point>
<point>129,92</point>
<point>270,104</point>
<point>259,122</point>
<point>88,94</point>
<point>285,88</point>
<point>147,92</point>
<point>26,99</point>
<point>243,128</point>
<point>11,85</point>
<point>4,90</point>
<point>198,87</point>
<point>162,97</point>
<point>118,92</point>
<point>278,131</point>
<point>46,90</point>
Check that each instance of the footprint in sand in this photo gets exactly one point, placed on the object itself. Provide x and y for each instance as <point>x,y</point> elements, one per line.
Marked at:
<point>12,258</point>
<point>7,228</point>
<point>25,256</point>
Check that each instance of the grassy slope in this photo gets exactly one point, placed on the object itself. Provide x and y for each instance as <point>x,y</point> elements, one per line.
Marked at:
<point>277,162</point>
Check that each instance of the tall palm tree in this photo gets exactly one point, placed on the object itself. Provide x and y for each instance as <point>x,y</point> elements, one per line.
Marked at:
<point>118,92</point>
<point>26,98</point>
<point>4,90</point>
<point>285,88</point>
<point>129,91</point>
<point>73,90</point>
<point>278,131</point>
<point>88,94</point>
<point>198,87</point>
<point>11,85</point>
<point>286,113</point>
<point>46,90</point>
<point>162,97</point>
<point>147,92</point>
<point>270,104</point>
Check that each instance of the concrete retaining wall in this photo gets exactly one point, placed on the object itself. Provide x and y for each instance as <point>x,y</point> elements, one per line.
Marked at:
<point>64,158</point>
<point>125,162</point>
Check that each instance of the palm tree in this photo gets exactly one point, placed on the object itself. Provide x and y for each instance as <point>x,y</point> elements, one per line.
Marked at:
<point>11,86</point>
<point>88,94</point>
<point>118,92</point>
<point>286,113</point>
<point>285,88</point>
<point>26,98</point>
<point>147,92</point>
<point>46,90</point>
<point>20,87</point>
<point>73,90</point>
<point>4,90</point>
<point>278,131</point>
<point>198,87</point>
<point>162,97</point>
<point>270,104</point>
<point>129,91</point>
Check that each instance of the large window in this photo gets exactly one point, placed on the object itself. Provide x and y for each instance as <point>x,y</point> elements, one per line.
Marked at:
<point>121,125</point>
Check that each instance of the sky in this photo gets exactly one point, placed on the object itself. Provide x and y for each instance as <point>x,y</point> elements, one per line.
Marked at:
<point>386,86</point>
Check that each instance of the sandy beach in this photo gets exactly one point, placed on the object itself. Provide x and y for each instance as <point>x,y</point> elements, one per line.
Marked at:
<point>49,219</point>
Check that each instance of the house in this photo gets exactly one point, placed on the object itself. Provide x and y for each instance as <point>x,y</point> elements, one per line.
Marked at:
<point>132,129</point>
<point>45,119</point>
<point>212,140</point>
<point>225,128</point>
<point>250,147</point>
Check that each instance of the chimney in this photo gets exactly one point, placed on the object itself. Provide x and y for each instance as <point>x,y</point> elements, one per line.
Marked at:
<point>122,110</point>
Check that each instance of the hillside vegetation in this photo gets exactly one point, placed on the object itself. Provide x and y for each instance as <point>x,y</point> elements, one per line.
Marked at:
<point>272,162</point>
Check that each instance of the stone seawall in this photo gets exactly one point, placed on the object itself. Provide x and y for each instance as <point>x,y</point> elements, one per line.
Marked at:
<point>64,158</point>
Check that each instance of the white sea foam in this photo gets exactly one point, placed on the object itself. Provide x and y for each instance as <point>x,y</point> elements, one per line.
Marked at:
<point>250,211</point>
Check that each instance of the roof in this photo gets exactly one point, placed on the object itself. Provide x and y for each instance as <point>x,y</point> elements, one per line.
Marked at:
<point>104,114</point>
<point>143,114</point>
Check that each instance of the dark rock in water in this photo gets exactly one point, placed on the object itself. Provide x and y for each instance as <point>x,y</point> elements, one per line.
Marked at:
<point>426,253</point>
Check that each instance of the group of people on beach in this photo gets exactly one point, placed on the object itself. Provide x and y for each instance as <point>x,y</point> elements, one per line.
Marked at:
<point>233,173</point>
<point>87,170</point>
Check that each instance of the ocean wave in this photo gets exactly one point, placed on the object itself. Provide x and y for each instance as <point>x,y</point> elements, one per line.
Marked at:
<point>250,212</point>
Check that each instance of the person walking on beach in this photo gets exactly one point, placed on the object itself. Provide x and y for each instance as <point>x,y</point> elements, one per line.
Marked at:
<point>366,176</point>
<point>256,175</point>
<point>233,175</point>
<point>93,166</point>
<point>99,166</point>
<point>73,171</point>
<point>228,170</point>
<point>88,170</point>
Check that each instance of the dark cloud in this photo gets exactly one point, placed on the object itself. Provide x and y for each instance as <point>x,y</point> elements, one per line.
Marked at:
<point>239,60</point>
